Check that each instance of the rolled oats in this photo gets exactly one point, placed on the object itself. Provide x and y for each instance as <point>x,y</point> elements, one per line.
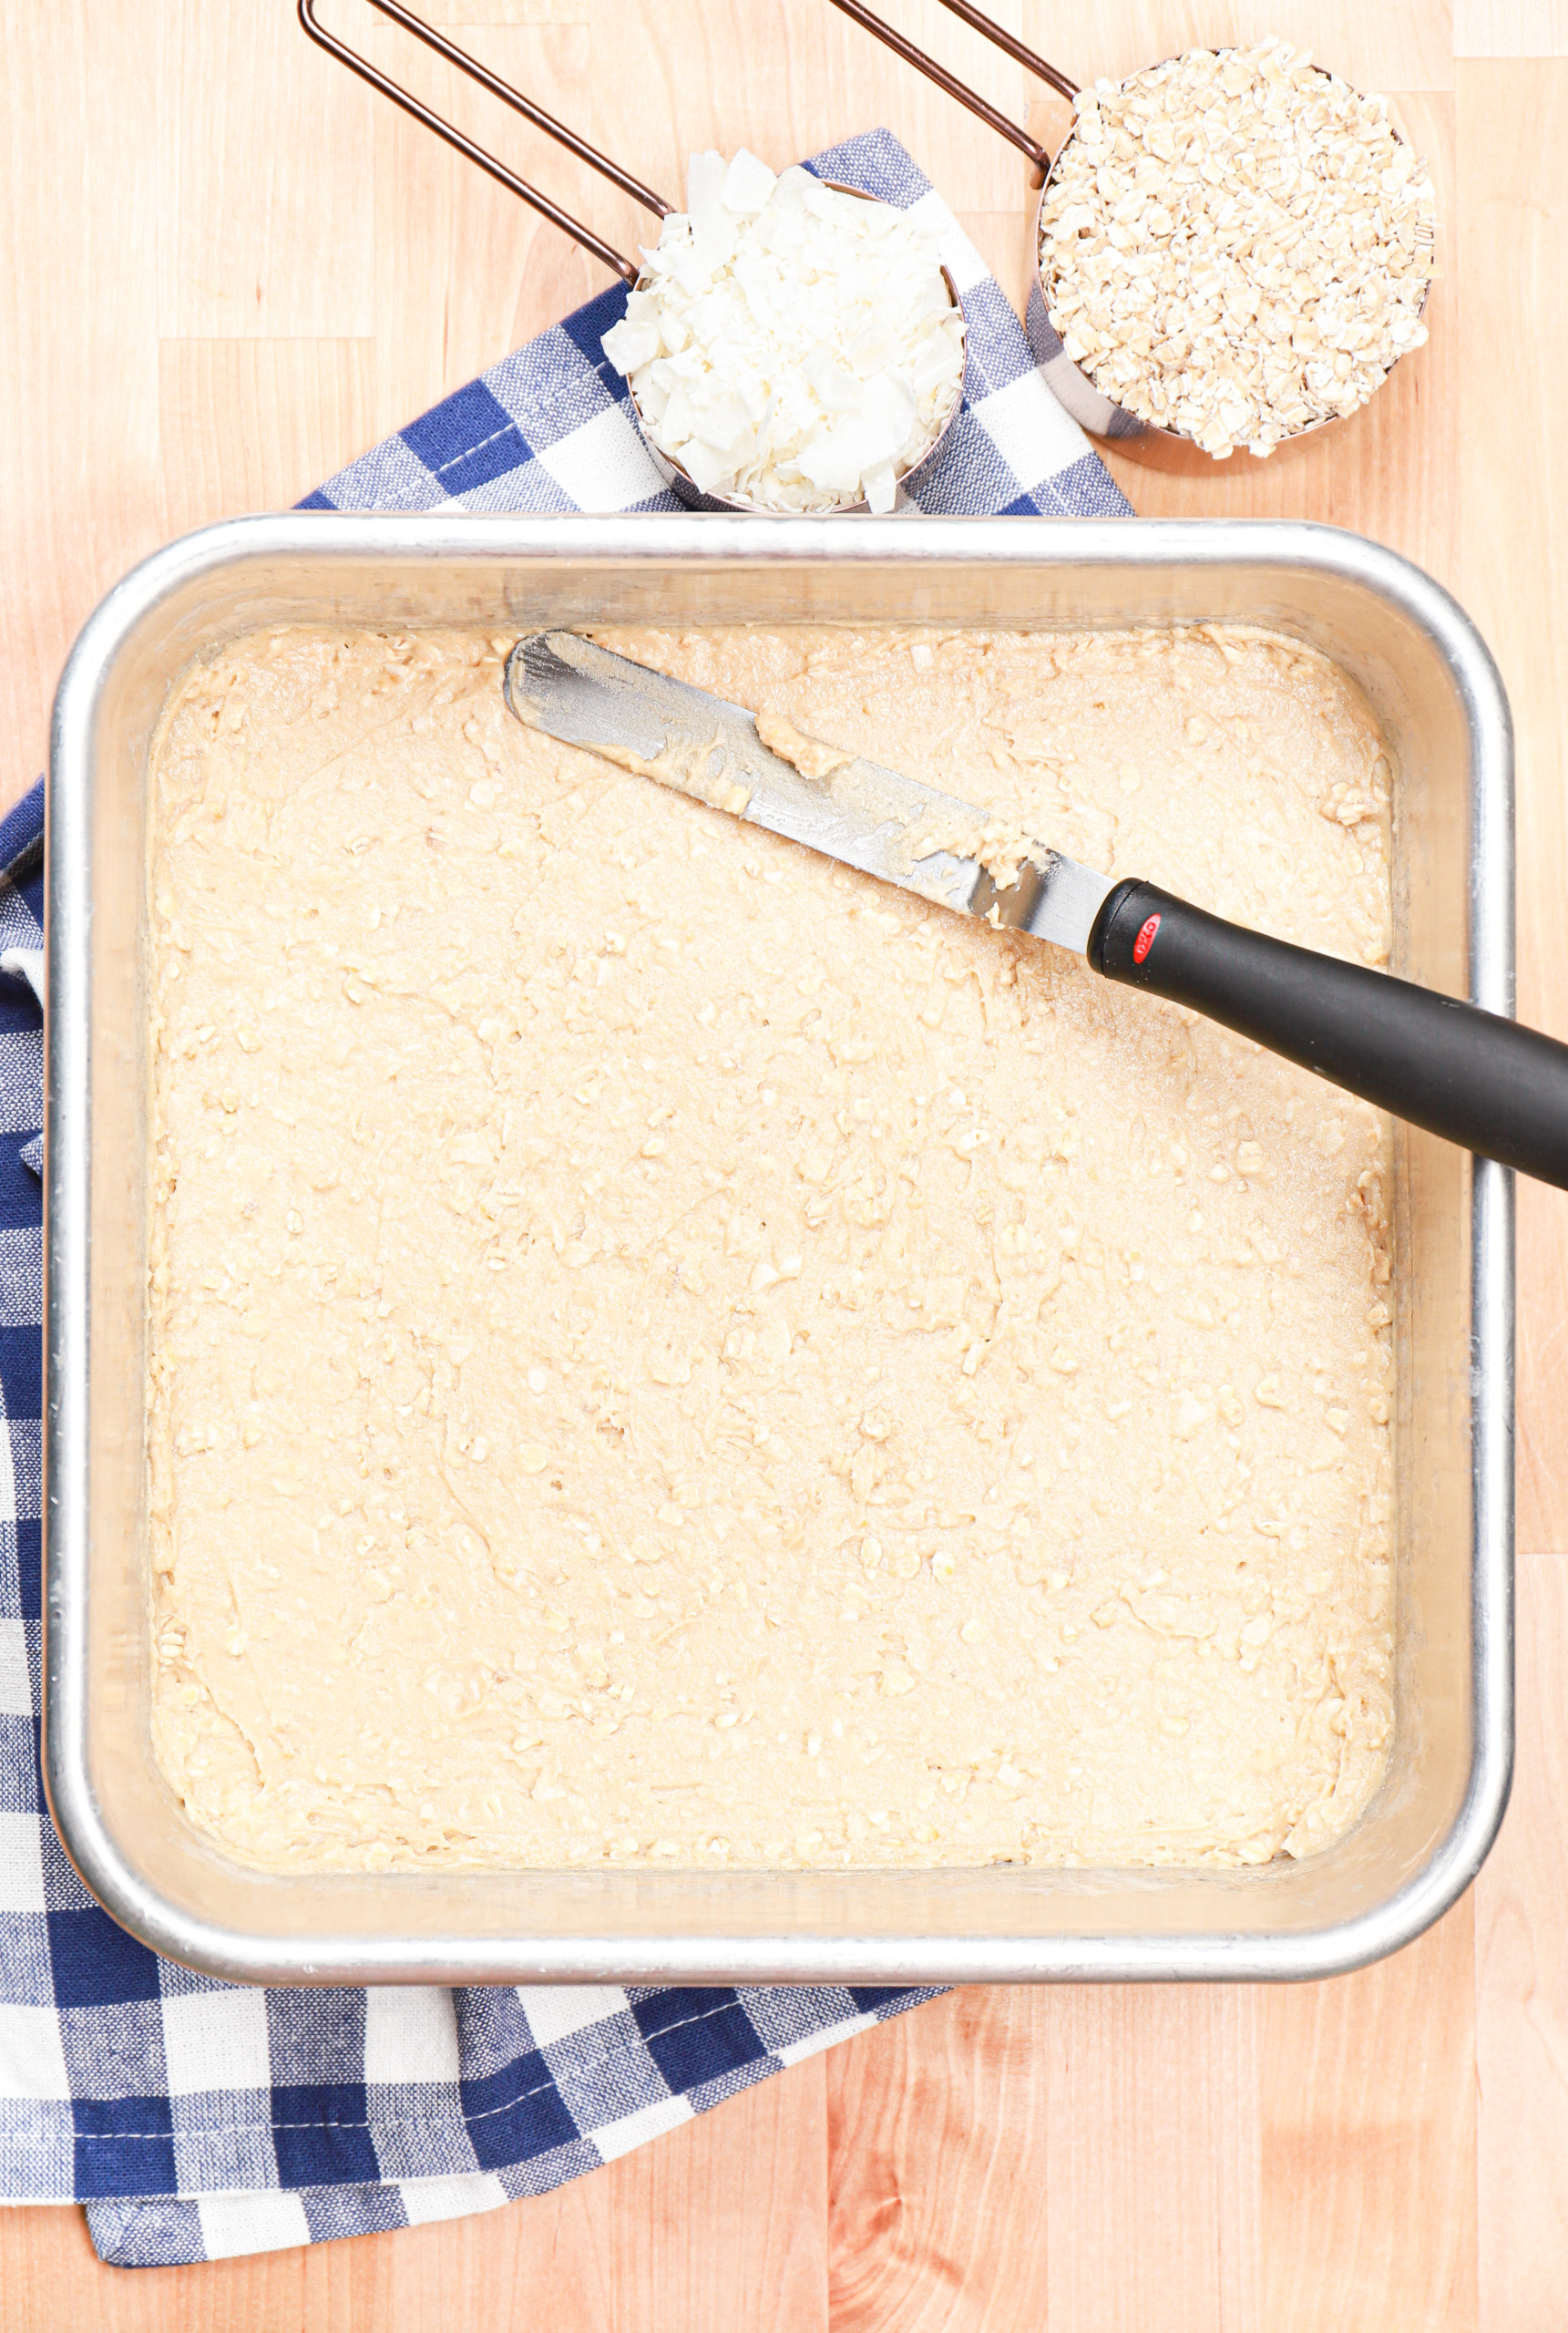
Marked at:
<point>1236,245</point>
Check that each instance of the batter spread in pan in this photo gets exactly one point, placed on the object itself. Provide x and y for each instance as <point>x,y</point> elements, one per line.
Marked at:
<point>664,1350</point>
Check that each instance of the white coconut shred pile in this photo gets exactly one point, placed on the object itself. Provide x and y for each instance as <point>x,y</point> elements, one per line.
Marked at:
<point>789,345</point>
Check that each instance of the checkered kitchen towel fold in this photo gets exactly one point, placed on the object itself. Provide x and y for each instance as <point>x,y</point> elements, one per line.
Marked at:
<point>196,2119</point>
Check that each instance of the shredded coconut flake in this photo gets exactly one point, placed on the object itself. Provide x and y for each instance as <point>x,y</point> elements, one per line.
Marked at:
<point>790,345</point>
<point>1235,246</point>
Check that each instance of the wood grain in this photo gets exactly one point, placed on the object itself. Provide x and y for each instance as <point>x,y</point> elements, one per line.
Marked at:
<point>1369,2095</point>
<point>252,424</point>
<point>80,489</point>
<point>1064,2157</point>
<point>250,241</point>
<point>227,270</point>
<point>1511,27</point>
<point>1522,1966</point>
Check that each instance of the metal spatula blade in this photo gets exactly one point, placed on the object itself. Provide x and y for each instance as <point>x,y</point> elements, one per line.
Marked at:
<point>869,818</point>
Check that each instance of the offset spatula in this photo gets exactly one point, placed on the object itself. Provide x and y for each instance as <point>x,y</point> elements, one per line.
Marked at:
<point>1468,1076</point>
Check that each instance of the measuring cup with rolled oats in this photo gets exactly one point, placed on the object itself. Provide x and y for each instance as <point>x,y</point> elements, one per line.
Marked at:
<point>1233,247</point>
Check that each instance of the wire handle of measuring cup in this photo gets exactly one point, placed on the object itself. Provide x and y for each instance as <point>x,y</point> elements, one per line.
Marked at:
<point>625,268</point>
<point>880,30</point>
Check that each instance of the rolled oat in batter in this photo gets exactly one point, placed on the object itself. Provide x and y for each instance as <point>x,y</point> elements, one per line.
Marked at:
<point>665,1350</point>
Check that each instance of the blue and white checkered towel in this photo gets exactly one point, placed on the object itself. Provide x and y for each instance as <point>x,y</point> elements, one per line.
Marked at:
<point>195,2119</point>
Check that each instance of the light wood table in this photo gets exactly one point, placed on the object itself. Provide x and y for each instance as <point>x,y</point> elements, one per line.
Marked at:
<point>226,269</point>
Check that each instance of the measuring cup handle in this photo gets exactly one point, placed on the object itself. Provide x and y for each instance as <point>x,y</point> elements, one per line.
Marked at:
<point>617,261</point>
<point>861,14</point>
<point>999,38</point>
<point>1470,1077</point>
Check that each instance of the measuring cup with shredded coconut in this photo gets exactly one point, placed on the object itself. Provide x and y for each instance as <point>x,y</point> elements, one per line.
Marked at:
<point>791,344</point>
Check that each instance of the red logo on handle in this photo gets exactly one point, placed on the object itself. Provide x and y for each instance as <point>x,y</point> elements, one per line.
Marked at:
<point>1145,939</point>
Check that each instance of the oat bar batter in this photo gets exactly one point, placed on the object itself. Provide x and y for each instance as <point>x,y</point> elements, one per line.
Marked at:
<point>664,1350</point>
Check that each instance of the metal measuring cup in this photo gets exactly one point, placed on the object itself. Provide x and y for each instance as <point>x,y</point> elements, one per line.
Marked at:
<point>1073,388</point>
<point>674,474</point>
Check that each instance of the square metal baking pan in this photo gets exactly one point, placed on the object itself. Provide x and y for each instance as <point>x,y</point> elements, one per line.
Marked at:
<point>1433,685</point>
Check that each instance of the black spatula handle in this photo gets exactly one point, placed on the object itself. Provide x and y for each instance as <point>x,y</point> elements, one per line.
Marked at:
<point>1470,1077</point>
